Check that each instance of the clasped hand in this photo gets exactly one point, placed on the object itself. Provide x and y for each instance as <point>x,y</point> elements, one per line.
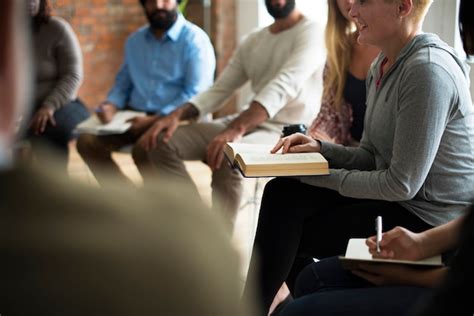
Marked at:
<point>166,124</point>
<point>141,123</point>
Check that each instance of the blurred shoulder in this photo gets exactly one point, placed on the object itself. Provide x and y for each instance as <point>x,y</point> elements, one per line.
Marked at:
<point>310,27</point>
<point>193,32</point>
<point>58,25</point>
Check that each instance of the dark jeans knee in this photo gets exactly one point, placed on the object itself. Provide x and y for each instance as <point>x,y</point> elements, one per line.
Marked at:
<point>326,275</point>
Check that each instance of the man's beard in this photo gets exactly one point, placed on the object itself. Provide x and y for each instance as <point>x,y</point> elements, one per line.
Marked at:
<point>162,19</point>
<point>280,12</point>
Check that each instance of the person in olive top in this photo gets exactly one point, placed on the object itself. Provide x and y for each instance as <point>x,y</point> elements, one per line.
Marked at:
<point>57,60</point>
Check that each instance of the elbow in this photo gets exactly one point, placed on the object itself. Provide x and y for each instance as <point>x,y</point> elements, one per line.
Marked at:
<point>402,192</point>
<point>401,185</point>
<point>75,81</point>
<point>78,78</point>
<point>401,196</point>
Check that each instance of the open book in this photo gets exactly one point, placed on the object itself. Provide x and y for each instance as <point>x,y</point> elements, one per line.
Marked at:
<point>118,125</point>
<point>357,252</point>
<point>255,160</point>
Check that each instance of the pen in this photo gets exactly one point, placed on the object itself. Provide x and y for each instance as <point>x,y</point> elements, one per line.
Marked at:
<point>378,229</point>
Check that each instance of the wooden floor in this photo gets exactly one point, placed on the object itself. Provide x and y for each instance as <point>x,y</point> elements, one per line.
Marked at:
<point>246,219</point>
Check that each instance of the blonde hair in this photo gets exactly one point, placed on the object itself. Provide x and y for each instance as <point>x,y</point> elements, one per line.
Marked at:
<point>339,41</point>
<point>420,8</point>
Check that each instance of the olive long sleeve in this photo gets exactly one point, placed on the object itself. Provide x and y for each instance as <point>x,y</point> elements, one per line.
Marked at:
<point>58,63</point>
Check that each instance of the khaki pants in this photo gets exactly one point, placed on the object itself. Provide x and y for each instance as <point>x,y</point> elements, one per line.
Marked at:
<point>96,151</point>
<point>190,142</point>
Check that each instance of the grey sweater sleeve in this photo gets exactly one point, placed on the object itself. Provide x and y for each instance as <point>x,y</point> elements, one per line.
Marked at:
<point>426,95</point>
<point>339,156</point>
<point>70,71</point>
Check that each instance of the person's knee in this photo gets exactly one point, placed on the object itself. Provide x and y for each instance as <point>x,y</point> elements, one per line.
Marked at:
<point>164,151</point>
<point>139,154</point>
<point>280,184</point>
<point>87,144</point>
<point>278,188</point>
<point>306,282</point>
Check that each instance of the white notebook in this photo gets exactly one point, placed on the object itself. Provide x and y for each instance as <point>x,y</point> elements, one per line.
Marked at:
<point>357,251</point>
<point>118,125</point>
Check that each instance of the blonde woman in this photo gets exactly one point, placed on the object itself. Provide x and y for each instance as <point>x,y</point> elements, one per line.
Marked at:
<point>341,118</point>
<point>414,167</point>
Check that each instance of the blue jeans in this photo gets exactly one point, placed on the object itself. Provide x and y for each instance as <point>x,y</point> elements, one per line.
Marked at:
<point>325,288</point>
<point>58,137</point>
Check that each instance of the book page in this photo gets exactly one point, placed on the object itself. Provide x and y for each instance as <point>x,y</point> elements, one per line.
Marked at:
<point>278,158</point>
<point>250,148</point>
<point>358,250</point>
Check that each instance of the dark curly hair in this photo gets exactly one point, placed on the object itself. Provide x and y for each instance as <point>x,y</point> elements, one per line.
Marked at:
<point>44,13</point>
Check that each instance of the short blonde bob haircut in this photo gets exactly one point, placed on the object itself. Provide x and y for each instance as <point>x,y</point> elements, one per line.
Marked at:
<point>420,8</point>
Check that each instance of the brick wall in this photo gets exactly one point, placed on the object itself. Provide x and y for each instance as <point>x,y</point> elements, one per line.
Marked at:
<point>103,25</point>
<point>223,34</point>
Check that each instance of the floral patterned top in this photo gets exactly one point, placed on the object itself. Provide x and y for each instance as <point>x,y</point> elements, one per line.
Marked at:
<point>344,126</point>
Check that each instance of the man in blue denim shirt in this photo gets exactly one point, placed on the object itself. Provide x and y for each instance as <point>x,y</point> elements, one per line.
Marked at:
<point>166,63</point>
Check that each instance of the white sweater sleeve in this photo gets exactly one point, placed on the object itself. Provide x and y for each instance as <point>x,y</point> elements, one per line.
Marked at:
<point>232,78</point>
<point>308,55</point>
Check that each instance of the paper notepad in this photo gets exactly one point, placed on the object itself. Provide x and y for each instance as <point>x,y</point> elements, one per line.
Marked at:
<point>357,252</point>
<point>118,125</point>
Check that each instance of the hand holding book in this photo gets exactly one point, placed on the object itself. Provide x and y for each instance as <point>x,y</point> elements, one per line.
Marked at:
<point>118,125</point>
<point>106,112</point>
<point>256,160</point>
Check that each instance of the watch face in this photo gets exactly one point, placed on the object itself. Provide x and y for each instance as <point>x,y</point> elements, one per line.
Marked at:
<point>292,129</point>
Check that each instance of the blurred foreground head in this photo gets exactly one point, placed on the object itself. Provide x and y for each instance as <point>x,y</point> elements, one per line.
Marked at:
<point>14,63</point>
<point>72,250</point>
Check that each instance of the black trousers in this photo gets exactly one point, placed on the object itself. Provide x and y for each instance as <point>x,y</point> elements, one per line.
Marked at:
<point>298,222</point>
<point>58,137</point>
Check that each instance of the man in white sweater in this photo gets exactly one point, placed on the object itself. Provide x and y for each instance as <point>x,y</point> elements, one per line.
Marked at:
<point>284,64</point>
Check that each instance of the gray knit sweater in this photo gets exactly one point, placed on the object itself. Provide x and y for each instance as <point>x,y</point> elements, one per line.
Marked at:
<point>58,63</point>
<point>418,142</point>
